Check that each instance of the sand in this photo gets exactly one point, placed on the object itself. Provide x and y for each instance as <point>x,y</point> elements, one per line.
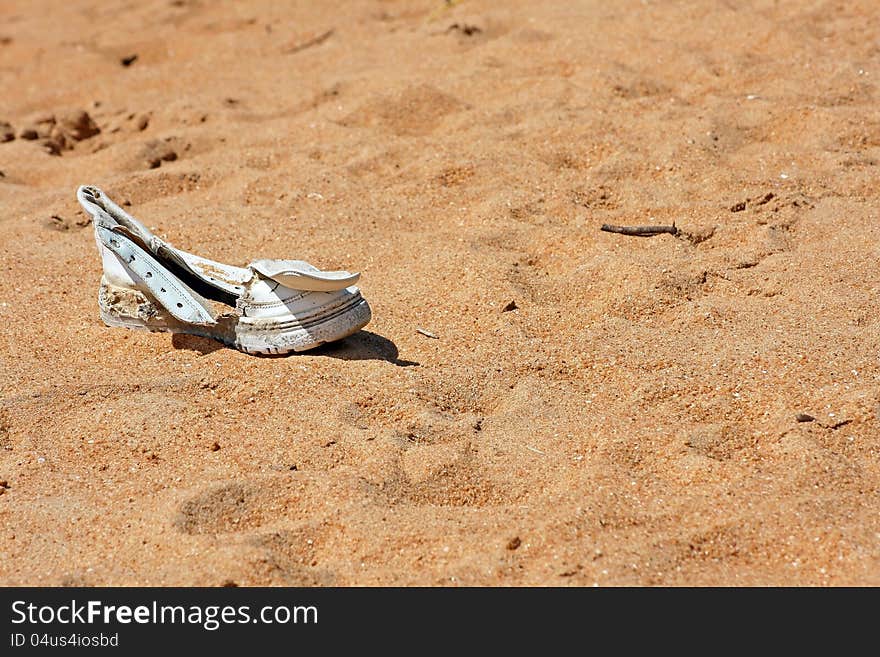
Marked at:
<point>595,408</point>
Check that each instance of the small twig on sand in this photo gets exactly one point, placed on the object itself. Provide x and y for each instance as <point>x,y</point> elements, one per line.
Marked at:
<point>308,43</point>
<point>427,334</point>
<point>640,231</point>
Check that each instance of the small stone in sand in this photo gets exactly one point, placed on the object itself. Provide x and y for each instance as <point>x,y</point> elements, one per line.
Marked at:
<point>54,145</point>
<point>514,543</point>
<point>510,306</point>
<point>155,152</point>
<point>803,417</point>
<point>78,125</point>
<point>7,133</point>
<point>30,133</point>
<point>465,29</point>
<point>215,447</point>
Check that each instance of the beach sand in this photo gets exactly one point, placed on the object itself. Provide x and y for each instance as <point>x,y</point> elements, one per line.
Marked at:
<point>594,409</point>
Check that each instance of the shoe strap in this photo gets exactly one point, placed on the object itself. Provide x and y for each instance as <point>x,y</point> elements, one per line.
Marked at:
<point>172,293</point>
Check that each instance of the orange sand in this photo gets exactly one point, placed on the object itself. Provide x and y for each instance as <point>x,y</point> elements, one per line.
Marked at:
<point>631,422</point>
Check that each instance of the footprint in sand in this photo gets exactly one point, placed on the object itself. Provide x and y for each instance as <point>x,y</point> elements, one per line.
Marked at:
<point>148,186</point>
<point>414,111</point>
<point>716,441</point>
<point>227,508</point>
<point>446,475</point>
<point>244,505</point>
<point>628,84</point>
<point>296,555</point>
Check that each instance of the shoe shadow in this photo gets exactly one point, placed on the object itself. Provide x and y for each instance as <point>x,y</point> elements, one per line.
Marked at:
<point>195,343</point>
<point>363,345</point>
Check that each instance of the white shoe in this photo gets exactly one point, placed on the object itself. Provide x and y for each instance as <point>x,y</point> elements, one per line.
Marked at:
<point>269,307</point>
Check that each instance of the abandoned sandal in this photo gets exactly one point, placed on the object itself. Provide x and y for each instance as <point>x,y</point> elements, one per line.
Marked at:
<point>268,307</point>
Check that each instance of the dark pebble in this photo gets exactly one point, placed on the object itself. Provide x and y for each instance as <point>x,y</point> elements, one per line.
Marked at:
<point>78,125</point>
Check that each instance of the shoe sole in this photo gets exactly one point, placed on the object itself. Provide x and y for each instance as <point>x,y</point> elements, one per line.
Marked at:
<point>286,335</point>
<point>132,309</point>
